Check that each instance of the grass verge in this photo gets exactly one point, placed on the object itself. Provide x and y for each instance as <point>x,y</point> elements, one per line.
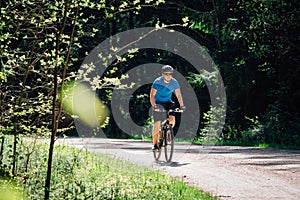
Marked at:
<point>257,144</point>
<point>81,174</point>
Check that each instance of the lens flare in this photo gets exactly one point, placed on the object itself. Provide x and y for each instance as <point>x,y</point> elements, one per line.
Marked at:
<point>9,189</point>
<point>81,102</point>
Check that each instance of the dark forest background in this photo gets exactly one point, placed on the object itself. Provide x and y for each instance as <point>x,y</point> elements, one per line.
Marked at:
<point>254,44</point>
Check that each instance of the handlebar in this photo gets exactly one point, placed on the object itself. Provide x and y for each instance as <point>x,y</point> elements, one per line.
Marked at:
<point>171,110</point>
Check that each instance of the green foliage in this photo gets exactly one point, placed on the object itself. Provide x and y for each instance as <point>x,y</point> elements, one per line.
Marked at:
<point>41,39</point>
<point>254,133</point>
<point>80,174</point>
<point>196,80</point>
<point>211,131</point>
<point>280,127</point>
<point>275,128</point>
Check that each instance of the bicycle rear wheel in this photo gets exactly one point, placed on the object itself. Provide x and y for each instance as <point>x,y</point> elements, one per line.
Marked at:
<point>169,144</point>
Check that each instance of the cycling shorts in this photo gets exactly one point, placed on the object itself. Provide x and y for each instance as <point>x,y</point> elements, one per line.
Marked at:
<point>160,116</point>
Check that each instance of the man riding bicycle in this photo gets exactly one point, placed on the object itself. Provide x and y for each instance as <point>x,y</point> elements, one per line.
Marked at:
<point>161,96</point>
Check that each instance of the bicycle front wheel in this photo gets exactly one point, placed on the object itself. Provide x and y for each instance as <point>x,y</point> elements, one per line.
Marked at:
<point>169,144</point>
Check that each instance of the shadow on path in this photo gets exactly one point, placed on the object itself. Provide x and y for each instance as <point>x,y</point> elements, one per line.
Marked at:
<point>171,164</point>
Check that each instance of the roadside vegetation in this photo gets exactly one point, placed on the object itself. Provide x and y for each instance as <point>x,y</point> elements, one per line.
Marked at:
<point>81,174</point>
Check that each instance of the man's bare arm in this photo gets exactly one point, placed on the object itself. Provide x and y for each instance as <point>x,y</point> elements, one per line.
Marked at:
<point>179,97</point>
<point>152,94</point>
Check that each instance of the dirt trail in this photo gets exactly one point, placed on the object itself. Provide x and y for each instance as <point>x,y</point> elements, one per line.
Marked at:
<point>224,171</point>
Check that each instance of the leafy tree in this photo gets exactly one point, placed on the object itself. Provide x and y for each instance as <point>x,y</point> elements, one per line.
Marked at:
<point>42,45</point>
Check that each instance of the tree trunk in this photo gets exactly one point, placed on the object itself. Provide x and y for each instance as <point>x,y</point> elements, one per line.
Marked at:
<point>1,148</point>
<point>56,114</point>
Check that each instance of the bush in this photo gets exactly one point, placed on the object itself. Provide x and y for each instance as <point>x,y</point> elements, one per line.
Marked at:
<point>281,127</point>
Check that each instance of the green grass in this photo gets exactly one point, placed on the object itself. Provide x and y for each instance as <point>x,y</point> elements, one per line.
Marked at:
<point>257,144</point>
<point>81,174</point>
<point>278,146</point>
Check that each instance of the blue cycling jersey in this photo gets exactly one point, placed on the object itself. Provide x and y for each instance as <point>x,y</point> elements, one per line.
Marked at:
<point>164,90</point>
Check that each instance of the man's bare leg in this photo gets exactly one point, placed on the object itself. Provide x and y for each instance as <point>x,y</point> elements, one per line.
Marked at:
<point>155,131</point>
<point>172,120</point>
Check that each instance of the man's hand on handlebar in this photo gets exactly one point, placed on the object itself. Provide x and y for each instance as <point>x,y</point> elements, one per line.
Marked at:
<point>158,108</point>
<point>155,108</point>
<point>182,108</point>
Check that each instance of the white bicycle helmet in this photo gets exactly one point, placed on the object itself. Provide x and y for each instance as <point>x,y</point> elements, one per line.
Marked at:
<point>167,68</point>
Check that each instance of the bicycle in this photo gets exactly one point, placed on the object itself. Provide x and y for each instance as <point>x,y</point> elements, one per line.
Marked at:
<point>166,137</point>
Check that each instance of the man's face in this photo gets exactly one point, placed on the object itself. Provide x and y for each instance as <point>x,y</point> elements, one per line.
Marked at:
<point>167,76</point>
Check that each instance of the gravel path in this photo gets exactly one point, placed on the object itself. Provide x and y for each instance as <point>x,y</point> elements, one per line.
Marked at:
<point>224,171</point>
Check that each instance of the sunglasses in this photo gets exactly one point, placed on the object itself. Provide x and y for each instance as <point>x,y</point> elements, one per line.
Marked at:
<point>168,74</point>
